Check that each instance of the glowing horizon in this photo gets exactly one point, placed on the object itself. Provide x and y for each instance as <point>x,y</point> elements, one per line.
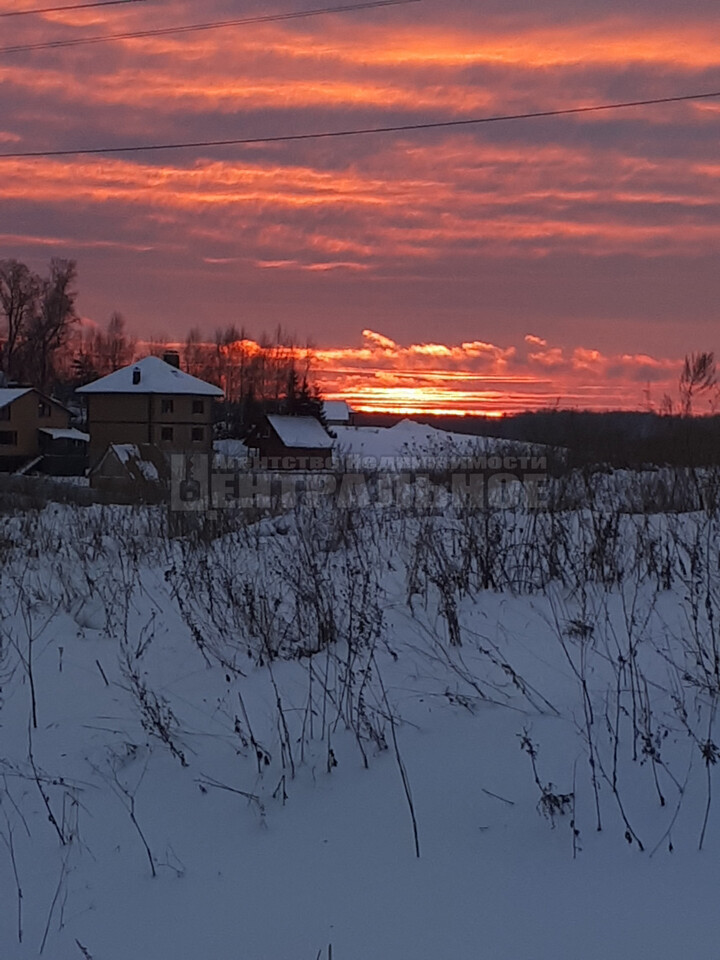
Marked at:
<point>479,378</point>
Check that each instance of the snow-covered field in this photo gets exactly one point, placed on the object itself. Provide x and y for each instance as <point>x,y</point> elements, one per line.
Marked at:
<point>411,442</point>
<point>235,747</point>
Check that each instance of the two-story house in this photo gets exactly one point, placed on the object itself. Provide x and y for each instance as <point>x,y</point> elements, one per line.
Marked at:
<point>150,402</point>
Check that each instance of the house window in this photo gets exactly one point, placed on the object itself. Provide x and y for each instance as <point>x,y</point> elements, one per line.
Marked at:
<point>166,433</point>
<point>8,438</point>
<point>44,409</point>
<point>166,406</point>
<point>198,406</point>
<point>5,412</point>
<point>198,434</point>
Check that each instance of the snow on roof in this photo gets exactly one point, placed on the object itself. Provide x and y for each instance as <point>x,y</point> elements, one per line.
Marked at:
<point>148,470</point>
<point>69,434</point>
<point>230,454</point>
<point>231,447</point>
<point>142,461</point>
<point>155,376</point>
<point>303,432</point>
<point>337,410</point>
<point>11,394</point>
<point>125,451</point>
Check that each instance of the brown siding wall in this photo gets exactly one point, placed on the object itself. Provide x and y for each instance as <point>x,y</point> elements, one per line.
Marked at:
<point>133,418</point>
<point>25,421</point>
<point>274,455</point>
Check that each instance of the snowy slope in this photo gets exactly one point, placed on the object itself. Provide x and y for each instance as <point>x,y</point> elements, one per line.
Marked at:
<point>257,719</point>
<point>411,441</point>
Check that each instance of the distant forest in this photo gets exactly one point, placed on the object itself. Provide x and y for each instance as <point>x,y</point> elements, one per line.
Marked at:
<point>618,439</point>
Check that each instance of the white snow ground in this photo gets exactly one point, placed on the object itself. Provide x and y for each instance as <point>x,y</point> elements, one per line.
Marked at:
<point>167,673</point>
<point>412,441</point>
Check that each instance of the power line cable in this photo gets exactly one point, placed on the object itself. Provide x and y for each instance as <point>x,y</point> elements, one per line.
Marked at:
<point>195,27</point>
<point>359,131</point>
<point>72,6</point>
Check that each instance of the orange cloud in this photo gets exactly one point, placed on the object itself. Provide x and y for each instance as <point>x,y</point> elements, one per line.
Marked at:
<point>378,340</point>
<point>605,41</point>
<point>494,199</point>
<point>320,221</point>
<point>384,376</point>
<point>515,42</point>
<point>553,357</point>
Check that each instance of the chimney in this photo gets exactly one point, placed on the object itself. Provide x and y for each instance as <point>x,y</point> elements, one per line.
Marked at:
<point>136,376</point>
<point>172,357</point>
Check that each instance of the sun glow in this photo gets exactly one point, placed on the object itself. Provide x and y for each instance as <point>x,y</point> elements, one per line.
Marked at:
<point>381,376</point>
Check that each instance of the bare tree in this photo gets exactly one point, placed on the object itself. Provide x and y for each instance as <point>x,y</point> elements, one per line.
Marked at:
<point>50,326</point>
<point>197,354</point>
<point>666,406</point>
<point>698,376</point>
<point>121,347</point>
<point>19,292</point>
<point>114,348</point>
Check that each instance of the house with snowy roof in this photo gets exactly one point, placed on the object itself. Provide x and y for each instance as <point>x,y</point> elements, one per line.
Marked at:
<point>132,473</point>
<point>34,427</point>
<point>150,402</point>
<point>292,443</point>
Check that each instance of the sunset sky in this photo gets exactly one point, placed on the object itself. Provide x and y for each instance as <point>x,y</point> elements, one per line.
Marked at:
<point>567,260</point>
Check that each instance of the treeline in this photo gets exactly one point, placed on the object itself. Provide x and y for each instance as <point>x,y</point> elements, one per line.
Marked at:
<point>618,439</point>
<point>38,313</point>
<point>265,370</point>
<point>270,371</point>
<point>43,344</point>
<point>272,374</point>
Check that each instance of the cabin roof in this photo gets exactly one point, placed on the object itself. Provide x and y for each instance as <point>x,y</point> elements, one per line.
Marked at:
<point>304,433</point>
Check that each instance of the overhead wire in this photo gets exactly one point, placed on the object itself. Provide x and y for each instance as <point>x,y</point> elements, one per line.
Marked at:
<point>196,27</point>
<point>361,131</point>
<point>71,6</point>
